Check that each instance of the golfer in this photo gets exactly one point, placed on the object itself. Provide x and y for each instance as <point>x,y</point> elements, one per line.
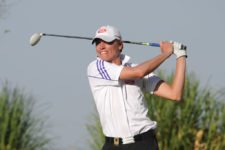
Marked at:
<point>118,88</point>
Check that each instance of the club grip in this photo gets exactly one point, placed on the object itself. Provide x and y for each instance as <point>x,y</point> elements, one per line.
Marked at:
<point>155,44</point>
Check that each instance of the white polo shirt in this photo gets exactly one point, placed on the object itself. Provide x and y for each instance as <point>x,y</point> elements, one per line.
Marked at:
<point>121,105</point>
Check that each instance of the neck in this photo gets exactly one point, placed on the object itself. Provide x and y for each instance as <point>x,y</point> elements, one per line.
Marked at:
<point>117,61</point>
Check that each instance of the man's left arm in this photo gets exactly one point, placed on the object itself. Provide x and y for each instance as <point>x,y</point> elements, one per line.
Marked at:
<point>174,91</point>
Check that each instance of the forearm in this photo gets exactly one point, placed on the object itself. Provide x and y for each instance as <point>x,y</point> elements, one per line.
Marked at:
<point>144,68</point>
<point>174,91</point>
<point>150,65</point>
<point>179,78</point>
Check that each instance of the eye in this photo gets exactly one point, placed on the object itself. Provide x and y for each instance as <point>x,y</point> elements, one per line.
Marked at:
<point>97,41</point>
<point>111,43</point>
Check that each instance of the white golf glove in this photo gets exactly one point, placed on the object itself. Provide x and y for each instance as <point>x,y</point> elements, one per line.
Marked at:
<point>179,49</point>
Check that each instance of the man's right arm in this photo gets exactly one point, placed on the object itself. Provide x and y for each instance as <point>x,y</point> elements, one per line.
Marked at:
<point>149,66</point>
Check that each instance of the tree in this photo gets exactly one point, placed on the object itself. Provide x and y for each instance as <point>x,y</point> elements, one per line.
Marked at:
<point>2,7</point>
<point>198,122</point>
<point>96,139</point>
<point>20,128</point>
<point>5,5</point>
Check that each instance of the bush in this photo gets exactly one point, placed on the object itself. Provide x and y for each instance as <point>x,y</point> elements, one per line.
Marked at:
<point>197,122</point>
<point>20,129</point>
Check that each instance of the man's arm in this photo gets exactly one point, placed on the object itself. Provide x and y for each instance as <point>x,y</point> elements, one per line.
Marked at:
<point>175,90</point>
<point>149,66</point>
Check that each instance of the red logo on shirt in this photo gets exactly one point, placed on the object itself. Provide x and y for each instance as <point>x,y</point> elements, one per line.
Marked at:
<point>130,82</point>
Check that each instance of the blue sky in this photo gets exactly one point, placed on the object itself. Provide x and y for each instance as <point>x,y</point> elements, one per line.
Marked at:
<point>54,71</point>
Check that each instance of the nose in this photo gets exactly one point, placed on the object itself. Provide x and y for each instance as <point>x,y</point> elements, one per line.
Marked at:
<point>101,44</point>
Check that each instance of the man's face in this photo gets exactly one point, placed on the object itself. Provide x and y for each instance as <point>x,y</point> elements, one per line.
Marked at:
<point>109,51</point>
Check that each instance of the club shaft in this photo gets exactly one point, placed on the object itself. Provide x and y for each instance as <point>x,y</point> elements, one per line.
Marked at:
<point>143,43</point>
<point>68,36</point>
<point>89,38</point>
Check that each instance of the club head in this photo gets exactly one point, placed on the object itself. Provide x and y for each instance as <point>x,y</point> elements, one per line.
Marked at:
<point>35,38</point>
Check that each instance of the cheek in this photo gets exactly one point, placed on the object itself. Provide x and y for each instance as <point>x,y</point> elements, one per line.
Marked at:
<point>115,52</point>
<point>97,50</point>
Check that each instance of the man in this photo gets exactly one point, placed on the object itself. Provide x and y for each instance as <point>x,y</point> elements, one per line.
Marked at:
<point>118,87</point>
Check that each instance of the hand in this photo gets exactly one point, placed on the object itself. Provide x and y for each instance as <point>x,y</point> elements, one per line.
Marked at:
<point>166,47</point>
<point>179,49</point>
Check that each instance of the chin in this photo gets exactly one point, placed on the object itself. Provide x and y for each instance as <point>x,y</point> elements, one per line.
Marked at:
<point>106,59</point>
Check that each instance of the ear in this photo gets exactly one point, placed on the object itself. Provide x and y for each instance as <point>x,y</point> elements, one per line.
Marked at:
<point>121,46</point>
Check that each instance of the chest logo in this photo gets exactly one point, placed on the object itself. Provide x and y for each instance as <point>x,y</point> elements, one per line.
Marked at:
<point>130,82</point>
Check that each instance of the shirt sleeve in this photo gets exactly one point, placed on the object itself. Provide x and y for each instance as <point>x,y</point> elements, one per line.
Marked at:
<point>104,73</point>
<point>150,82</point>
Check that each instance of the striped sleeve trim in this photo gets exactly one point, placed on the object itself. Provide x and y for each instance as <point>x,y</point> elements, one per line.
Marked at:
<point>101,69</point>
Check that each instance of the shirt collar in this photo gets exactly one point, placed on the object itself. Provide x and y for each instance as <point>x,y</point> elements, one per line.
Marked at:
<point>124,58</point>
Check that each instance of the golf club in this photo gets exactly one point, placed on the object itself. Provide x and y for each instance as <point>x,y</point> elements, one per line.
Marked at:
<point>36,37</point>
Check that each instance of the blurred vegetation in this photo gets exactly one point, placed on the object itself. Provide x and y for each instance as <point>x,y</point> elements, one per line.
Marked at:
<point>3,8</point>
<point>195,123</point>
<point>97,138</point>
<point>5,5</point>
<point>20,127</point>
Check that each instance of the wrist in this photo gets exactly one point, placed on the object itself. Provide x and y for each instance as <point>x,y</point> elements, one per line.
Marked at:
<point>182,57</point>
<point>180,53</point>
<point>166,54</point>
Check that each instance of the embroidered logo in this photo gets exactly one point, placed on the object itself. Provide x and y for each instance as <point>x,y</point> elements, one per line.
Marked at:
<point>102,30</point>
<point>130,82</point>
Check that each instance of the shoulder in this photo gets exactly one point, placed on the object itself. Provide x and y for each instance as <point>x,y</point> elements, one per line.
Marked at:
<point>91,66</point>
<point>100,66</point>
<point>104,70</point>
<point>129,64</point>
